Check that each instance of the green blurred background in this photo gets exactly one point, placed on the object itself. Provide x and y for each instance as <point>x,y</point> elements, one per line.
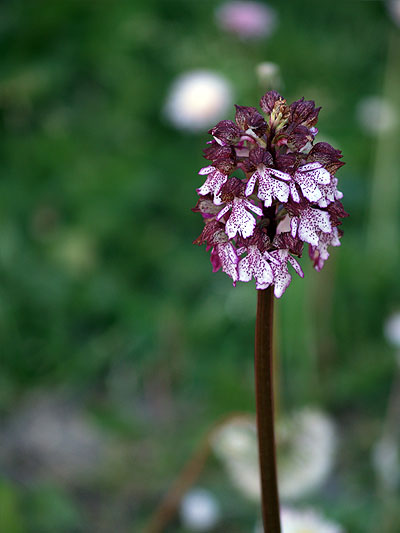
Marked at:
<point>113,327</point>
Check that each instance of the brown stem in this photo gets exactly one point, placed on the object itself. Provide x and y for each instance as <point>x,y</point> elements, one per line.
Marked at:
<point>263,363</point>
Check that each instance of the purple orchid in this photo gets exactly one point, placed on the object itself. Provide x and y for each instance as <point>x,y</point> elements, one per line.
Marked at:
<point>256,224</point>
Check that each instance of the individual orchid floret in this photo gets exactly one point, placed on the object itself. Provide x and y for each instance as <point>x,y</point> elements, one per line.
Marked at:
<point>215,180</point>
<point>240,221</point>
<point>310,177</point>
<point>270,185</point>
<point>278,260</point>
<point>224,256</point>
<point>319,254</point>
<point>330,193</point>
<point>270,188</point>
<point>223,253</point>
<point>309,223</point>
<point>257,266</point>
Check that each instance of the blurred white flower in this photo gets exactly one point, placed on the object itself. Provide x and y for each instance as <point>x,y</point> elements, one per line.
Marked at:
<point>306,445</point>
<point>269,75</point>
<point>304,521</point>
<point>199,510</point>
<point>248,20</point>
<point>235,443</point>
<point>394,10</point>
<point>198,99</point>
<point>386,460</point>
<point>376,115</point>
<point>392,330</point>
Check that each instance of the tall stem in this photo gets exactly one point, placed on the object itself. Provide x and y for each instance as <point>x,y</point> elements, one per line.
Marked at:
<point>263,363</point>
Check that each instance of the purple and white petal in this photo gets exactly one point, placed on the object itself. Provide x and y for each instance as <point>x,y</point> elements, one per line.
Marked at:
<point>280,190</point>
<point>316,172</point>
<point>251,183</point>
<point>319,254</point>
<point>240,220</point>
<point>228,260</point>
<point>294,224</point>
<point>330,193</point>
<point>223,211</point>
<point>308,186</point>
<point>269,187</point>
<point>213,183</point>
<point>279,174</point>
<point>255,265</point>
<point>312,221</point>
<point>295,265</point>
<point>294,193</point>
<point>257,210</point>
<point>206,170</point>
<point>282,278</point>
<point>245,270</point>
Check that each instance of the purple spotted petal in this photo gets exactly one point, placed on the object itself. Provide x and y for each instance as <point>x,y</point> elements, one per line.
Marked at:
<point>279,174</point>
<point>269,188</point>
<point>294,193</point>
<point>330,193</point>
<point>255,265</point>
<point>308,185</point>
<point>295,265</point>
<point>206,170</point>
<point>294,224</point>
<point>240,220</point>
<point>223,211</point>
<point>312,221</point>
<point>316,172</point>
<point>257,210</point>
<point>224,256</point>
<point>319,254</point>
<point>251,183</point>
<point>213,183</point>
<point>282,278</point>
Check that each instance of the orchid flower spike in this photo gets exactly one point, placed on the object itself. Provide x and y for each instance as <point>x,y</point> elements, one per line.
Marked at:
<point>269,189</point>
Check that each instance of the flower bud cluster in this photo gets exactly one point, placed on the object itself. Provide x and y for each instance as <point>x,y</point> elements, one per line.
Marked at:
<point>269,190</point>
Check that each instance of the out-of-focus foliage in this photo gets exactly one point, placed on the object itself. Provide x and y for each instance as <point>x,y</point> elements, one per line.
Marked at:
<point>104,300</point>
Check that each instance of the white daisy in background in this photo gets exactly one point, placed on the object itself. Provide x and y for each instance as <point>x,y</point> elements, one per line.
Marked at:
<point>198,99</point>
<point>248,20</point>
<point>306,447</point>
<point>269,75</point>
<point>304,521</point>
<point>235,443</point>
<point>393,7</point>
<point>307,444</point>
<point>199,510</point>
<point>376,115</point>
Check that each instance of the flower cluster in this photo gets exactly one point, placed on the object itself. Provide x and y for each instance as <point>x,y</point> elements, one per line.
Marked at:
<point>268,190</point>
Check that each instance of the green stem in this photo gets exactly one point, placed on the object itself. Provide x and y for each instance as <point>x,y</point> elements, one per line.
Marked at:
<point>263,363</point>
